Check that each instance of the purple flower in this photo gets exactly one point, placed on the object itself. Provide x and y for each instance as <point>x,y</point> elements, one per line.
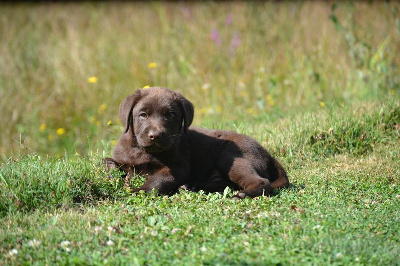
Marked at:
<point>235,43</point>
<point>186,12</point>
<point>216,37</point>
<point>228,20</point>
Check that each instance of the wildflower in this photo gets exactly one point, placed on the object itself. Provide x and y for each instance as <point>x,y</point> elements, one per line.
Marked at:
<point>50,137</point>
<point>13,252</point>
<point>215,36</point>
<point>235,43</point>
<point>203,111</point>
<point>60,131</point>
<point>102,108</point>
<point>111,229</point>
<point>228,20</point>
<point>205,86</point>
<point>250,110</point>
<point>322,104</point>
<point>219,109</point>
<point>152,65</point>
<point>114,142</point>
<point>146,87</point>
<point>109,123</point>
<point>65,245</point>
<point>242,84</point>
<point>97,229</point>
<point>269,99</point>
<point>34,243</point>
<point>42,127</point>
<point>243,94</point>
<point>339,255</point>
<point>203,248</point>
<point>92,79</point>
<point>110,243</point>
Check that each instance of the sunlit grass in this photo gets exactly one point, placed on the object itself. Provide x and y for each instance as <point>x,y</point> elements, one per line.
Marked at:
<point>316,83</point>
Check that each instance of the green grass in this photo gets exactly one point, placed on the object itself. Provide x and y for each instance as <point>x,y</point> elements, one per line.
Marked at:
<point>315,83</point>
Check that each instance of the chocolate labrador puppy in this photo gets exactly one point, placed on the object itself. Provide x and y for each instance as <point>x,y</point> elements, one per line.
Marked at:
<point>159,144</point>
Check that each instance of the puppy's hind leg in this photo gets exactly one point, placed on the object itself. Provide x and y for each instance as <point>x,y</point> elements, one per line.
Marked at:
<point>244,175</point>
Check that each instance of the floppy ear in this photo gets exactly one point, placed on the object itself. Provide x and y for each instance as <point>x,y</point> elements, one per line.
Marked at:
<point>126,107</point>
<point>187,111</point>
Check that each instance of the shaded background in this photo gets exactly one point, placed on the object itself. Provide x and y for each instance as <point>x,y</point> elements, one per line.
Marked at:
<point>64,68</point>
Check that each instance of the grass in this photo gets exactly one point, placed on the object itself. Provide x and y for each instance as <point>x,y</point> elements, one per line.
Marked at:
<point>322,97</point>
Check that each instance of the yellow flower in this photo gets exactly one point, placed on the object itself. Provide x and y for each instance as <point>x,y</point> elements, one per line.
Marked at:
<point>42,127</point>
<point>152,65</point>
<point>219,109</point>
<point>50,137</point>
<point>92,79</point>
<point>109,123</point>
<point>114,142</point>
<point>322,104</point>
<point>270,100</point>
<point>92,119</point>
<point>243,93</point>
<point>250,110</point>
<point>102,108</point>
<point>60,131</point>
<point>203,111</point>
<point>146,87</point>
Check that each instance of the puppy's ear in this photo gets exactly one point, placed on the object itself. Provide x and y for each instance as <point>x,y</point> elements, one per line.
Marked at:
<point>126,107</point>
<point>187,111</point>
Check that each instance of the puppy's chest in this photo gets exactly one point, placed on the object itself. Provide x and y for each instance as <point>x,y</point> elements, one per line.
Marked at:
<point>144,163</point>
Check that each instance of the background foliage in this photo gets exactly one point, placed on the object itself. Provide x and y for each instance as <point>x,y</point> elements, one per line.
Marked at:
<point>66,67</point>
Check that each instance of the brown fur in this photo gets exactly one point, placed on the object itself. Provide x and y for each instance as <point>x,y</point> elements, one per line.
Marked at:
<point>159,143</point>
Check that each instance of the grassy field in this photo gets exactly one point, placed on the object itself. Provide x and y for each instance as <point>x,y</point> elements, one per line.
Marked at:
<point>316,83</point>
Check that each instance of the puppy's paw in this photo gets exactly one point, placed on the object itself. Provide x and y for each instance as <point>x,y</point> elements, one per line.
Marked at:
<point>239,196</point>
<point>110,164</point>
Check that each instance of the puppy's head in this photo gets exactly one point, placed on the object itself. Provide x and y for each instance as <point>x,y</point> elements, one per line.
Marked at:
<point>156,117</point>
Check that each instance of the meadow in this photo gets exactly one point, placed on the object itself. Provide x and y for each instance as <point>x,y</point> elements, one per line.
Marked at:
<point>317,83</point>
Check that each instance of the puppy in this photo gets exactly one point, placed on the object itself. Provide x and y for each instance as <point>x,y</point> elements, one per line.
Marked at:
<point>159,144</point>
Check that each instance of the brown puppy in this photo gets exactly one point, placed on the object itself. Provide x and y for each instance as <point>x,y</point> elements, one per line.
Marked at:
<point>158,143</point>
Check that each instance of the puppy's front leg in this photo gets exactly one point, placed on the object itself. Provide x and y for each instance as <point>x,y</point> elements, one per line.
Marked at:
<point>112,165</point>
<point>163,181</point>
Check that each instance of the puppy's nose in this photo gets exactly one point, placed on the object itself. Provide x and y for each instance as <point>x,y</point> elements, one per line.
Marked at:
<point>153,135</point>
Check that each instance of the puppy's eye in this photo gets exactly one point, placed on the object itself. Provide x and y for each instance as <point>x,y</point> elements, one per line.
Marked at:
<point>143,115</point>
<point>171,115</point>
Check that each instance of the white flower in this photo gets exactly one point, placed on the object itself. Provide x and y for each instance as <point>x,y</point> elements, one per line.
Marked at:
<point>316,227</point>
<point>97,229</point>
<point>205,86</point>
<point>65,245</point>
<point>110,243</point>
<point>34,243</point>
<point>339,255</point>
<point>13,252</point>
<point>111,229</point>
<point>203,248</point>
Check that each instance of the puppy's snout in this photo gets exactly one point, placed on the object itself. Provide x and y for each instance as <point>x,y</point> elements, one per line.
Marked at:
<point>154,134</point>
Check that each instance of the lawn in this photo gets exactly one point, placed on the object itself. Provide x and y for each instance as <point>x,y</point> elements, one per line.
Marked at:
<point>315,83</point>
